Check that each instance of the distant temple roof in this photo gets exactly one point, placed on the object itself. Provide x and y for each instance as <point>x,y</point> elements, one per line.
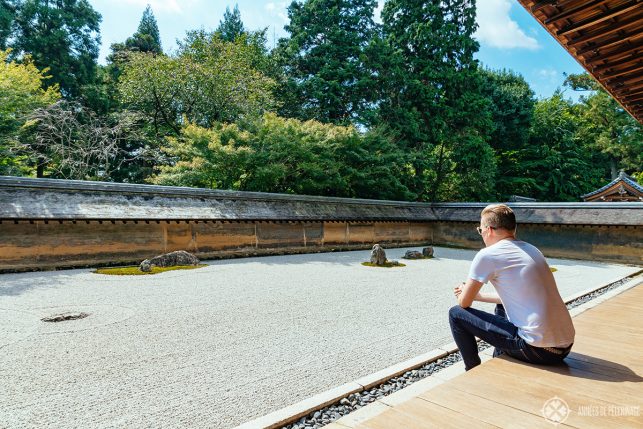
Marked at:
<point>623,188</point>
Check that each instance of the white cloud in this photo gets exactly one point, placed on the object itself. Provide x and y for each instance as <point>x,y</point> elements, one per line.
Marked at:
<point>548,74</point>
<point>498,30</point>
<point>177,6</point>
<point>278,9</point>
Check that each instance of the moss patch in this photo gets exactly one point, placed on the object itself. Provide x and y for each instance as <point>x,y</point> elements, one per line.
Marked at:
<point>136,271</point>
<point>387,265</point>
<point>553,270</point>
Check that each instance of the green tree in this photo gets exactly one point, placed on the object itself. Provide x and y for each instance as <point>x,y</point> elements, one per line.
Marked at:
<point>607,129</point>
<point>431,98</point>
<point>557,163</point>
<point>512,109</point>
<point>67,140</point>
<point>208,81</point>
<point>62,35</point>
<point>274,154</point>
<point>21,92</point>
<point>231,27</point>
<point>147,38</point>
<point>324,60</point>
<point>7,12</point>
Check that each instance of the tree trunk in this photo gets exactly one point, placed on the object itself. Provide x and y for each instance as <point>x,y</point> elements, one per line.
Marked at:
<point>613,170</point>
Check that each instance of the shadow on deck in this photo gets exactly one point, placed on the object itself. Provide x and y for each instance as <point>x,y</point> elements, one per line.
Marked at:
<point>599,386</point>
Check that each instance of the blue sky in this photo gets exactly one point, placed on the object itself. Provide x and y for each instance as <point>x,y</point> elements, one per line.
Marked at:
<point>509,37</point>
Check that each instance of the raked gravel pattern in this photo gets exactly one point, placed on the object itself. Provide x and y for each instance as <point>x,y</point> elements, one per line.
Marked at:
<point>221,345</point>
<point>355,401</point>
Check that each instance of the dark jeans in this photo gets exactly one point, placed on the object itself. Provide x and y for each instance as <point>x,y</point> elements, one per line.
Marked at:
<point>497,330</point>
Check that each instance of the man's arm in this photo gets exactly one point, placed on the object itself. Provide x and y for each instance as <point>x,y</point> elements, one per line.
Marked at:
<point>488,297</point>
<point>470,291</point>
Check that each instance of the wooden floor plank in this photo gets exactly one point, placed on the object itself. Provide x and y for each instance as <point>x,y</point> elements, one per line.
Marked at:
<point>423,410</point>
<point>484,409</point>
<point>517,391</point>
<point>596,327</point>
<point>614,351</point>
<point>603,372</point>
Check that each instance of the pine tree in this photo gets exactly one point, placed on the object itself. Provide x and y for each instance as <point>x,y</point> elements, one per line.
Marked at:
<point>231,27</point>
<point>431,97</point>
<point>7,12</point>
<point>324,60</point>
<point>147,38</point>
<point>61,35</point>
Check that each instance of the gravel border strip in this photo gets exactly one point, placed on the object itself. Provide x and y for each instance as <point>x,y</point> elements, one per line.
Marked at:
<point>355,401</point>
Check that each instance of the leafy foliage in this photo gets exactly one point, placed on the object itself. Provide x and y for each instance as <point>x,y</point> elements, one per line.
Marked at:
<point>324,58</point>
<point>61,35</point>
<point>7,12</point>
<point>274,154</point>
<point>556,161</point>
<point>613,136</point>
<point>342,107</point>
<point>231,27</point>
<point>208,81</point>
<point>67,140</point>
<point>431,97</point>
<point>21,92</point>
<point>512,108</point>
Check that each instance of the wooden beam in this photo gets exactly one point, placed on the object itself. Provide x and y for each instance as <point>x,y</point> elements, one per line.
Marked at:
<point>633,98</point>
<point>624,80</point>
<point>627,7</point>
<point>621,72</point>
<point>573,10</point>
<point>542,4</point>
<point>635,20</point>
<point>629,90</point>
<point>612,64</point>
<point>608,43</point>
<point>624,50</point>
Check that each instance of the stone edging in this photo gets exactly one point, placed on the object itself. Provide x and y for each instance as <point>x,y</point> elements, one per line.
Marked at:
<point>292,413</point>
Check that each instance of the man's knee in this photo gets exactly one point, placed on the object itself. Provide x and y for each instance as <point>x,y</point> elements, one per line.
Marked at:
<point>455,312</point>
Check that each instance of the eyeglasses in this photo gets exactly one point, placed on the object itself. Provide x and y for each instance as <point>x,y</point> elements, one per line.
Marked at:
<point>482,229</point>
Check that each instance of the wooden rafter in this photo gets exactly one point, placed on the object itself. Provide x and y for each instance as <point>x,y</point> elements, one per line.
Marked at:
<point>597,19</point>
<point>610,42</point>
<point>634,20</point>
<point>605,37</point>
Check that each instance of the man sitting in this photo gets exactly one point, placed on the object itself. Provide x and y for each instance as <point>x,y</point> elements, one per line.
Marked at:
<point>531,321</point>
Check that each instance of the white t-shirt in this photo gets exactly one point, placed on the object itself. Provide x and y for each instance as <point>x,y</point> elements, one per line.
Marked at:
<point>528,291</point>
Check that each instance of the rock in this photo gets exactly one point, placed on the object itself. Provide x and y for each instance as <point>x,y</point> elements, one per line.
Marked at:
<point>172,259</point>
<point>394,263</point>
<point>378,256</point>
<point>413,254</point>
<point>427,252</point>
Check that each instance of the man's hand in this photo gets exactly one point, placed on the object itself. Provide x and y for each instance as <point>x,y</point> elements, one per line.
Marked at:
<point>458,290</point>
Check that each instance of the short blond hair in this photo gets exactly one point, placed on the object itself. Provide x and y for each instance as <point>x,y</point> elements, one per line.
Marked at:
<point>499,216</point>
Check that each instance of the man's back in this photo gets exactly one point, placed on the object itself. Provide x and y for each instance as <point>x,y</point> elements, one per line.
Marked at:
<point>528,291</point>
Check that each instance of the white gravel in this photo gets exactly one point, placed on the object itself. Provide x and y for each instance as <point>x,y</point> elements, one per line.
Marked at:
<point>221,345</point>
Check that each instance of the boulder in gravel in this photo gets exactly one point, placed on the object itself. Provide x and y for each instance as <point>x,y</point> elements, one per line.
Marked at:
<point>413,254</point>
<point>378,256</point>
<point>427,252</point>
<point>172,259</point>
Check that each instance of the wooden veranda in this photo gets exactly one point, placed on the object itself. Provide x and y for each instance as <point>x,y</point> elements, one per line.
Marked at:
<point>605,37</point>
<point>599,386</point>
